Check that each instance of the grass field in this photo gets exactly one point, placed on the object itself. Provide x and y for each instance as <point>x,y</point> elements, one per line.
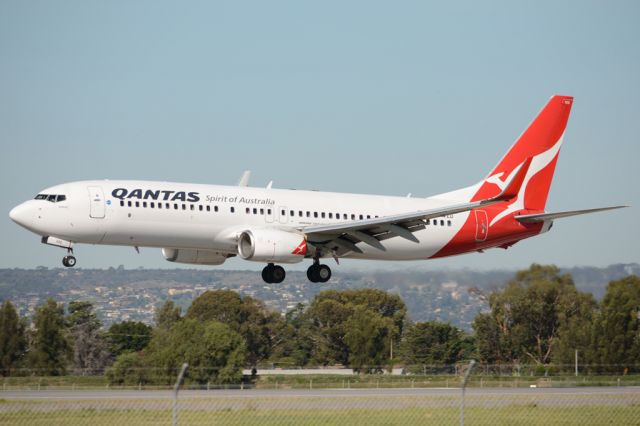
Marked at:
<point>507,415</point>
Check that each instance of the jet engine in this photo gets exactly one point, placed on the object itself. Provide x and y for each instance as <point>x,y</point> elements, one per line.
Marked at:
<point>194,256</point>
<point>272,246</point>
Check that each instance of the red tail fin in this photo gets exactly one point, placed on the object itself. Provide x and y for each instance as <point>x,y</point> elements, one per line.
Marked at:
<point>541,141</point>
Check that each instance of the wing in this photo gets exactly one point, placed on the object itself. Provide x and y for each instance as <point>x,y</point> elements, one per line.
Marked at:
<point>534,218</point>
<point>342,238</point>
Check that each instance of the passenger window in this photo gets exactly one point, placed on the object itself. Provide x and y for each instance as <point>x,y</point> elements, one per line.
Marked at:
<point>322,215</point>
<point>353,216</point>
<point>175,206</point>
<point>330,215</point>
<point>292,213</point>
<point>233,209</point>
<point>262,212</point>
<point>129,203</point>
<point>208,208</point>
<point>255,211</point>
<point>308,214</point>
<point>283,213</point>
<point>200,207</point>
<point>315,214</point>
<point>137,203</point>
<point>247,210</point>
<point>442,223</point>
<point>268,211</point>
<point>184,207</point>
<point>153,205</point>
<point>121,203</point>
<point>344,216</point>
<point>159,205</point>
<point>215,208</point>
<point>428,222</point>
<point>368,216</point>
<point>448,223</point>
<point>168,206</point>
<point>360,217</point>
<point>192,206</point>
<point>300,213</point>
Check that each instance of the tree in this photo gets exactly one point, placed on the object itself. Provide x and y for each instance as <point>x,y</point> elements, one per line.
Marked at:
<point>13,340</point>
<point>247,316</point>
<point>128,336</point>
<point>89,347</point>
<point>294,343</point>
<point>530,315</point>
<point>50,351</point>
<point>368,338</point>
<point>434,343</point>
<point>330,312</point>
<point>214,351</point>
<point>617,327</point>
<point>167,315</point>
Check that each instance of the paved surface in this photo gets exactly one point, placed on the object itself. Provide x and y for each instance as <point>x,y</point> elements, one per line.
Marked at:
<point>77,395</point>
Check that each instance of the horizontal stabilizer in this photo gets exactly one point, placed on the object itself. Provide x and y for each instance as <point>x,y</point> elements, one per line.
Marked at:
<point>535,218</point>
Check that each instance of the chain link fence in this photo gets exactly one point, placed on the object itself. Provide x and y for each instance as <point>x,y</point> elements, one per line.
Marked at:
<point>515,394</point>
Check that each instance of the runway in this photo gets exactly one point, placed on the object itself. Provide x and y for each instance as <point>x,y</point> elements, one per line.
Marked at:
<point>579,393</point>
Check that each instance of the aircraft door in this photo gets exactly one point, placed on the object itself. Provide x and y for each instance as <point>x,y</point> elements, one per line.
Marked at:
<point>269,216</point>
<point>482,225</point>
<point>96,202</point>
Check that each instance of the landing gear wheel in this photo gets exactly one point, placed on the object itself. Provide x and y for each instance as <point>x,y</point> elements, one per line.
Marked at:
<point>278,274</point>
<point>324,273</point>
<point>318,273</point>
<point>312,273</point>
<point>267,273</point>
<point>69,261</point>
<point>273,274</point>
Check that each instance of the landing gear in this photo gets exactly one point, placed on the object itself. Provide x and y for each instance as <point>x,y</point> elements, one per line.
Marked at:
<point>318,273</point>
<point>69,261</point>
<point>273,274</point>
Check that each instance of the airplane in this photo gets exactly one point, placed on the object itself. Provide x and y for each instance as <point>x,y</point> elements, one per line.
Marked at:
<point>207,224</point>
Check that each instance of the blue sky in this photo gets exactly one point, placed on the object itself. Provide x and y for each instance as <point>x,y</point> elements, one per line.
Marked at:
<point>371,97</point>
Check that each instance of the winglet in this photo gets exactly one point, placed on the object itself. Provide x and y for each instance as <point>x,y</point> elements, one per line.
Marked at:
<point>513,187</point>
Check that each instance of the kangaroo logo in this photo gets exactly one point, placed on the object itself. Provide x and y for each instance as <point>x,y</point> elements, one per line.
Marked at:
<point>301,249</point>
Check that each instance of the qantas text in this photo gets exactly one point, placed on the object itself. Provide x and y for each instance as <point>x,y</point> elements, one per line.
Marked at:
<point>148,194</point>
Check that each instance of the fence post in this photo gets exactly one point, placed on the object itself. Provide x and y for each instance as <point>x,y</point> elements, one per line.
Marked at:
<point>175,393</point>
<point>464,385</point>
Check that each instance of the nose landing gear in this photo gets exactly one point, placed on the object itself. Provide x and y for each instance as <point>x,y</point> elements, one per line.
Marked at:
<point>69,261</point>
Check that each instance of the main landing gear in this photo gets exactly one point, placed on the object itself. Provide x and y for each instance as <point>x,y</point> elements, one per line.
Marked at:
<point>273,274</point>
<point>318,273</point>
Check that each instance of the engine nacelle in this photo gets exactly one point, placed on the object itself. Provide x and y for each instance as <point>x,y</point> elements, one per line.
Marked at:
<point>272,245</point>
<point>194,256</point>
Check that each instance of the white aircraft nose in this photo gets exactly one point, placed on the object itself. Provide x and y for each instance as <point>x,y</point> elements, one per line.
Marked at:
<point>19,214</point>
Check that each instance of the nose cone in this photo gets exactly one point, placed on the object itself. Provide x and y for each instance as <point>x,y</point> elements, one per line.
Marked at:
<point>20,215</point>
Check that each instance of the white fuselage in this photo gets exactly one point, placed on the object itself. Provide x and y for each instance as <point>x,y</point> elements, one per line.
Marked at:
<point>211,217</point>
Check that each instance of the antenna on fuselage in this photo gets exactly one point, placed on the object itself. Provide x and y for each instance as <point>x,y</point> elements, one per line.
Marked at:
<point>244,179</point>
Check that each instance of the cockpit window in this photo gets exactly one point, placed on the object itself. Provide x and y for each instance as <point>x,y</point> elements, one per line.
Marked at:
<point>54,198</point>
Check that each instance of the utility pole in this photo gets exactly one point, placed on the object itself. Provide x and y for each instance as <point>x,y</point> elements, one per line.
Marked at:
<point>576,363</point>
